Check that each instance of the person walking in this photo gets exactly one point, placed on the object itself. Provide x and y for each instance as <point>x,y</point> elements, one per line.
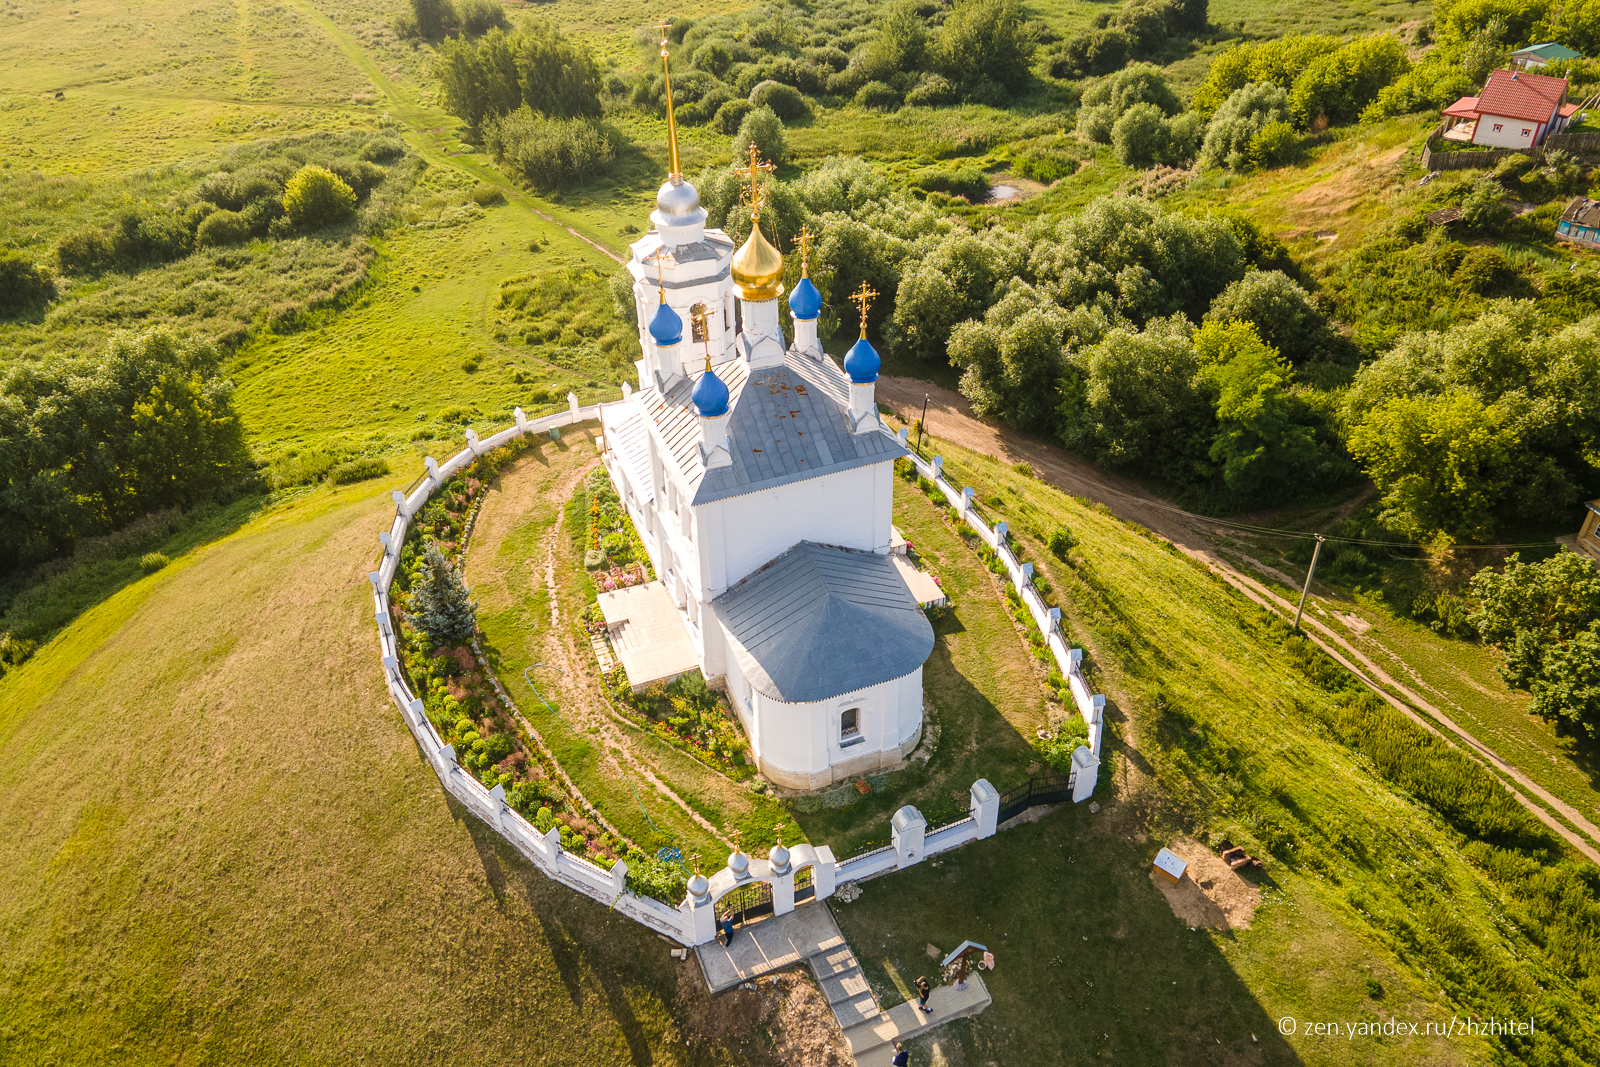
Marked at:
<point>901,1056</point>
<point>923,991</point>
<point>725,924</point>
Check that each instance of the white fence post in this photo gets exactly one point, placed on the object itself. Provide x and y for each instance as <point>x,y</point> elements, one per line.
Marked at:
<point>1055,620</point>
<point>572,405</point>
<point>966,499</point>
<point>985,807</point>
<point>497,797</point>
<point>1087,768</point>
<point>1000,529</point>
<point>522,420</point>
<point>619,876</point>
<point>909,829</point>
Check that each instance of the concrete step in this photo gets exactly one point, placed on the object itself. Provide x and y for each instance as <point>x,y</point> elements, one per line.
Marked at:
<point>856,1011</point>
<point>846,985</point>
<point>834,959</point>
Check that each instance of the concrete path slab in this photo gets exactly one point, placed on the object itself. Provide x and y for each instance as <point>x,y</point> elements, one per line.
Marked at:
<point>872,1042</point>
<point>772,944</point>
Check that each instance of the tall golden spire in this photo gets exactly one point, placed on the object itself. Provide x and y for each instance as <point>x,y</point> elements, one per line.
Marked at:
<point>675,172</point>
<point>757,267</point>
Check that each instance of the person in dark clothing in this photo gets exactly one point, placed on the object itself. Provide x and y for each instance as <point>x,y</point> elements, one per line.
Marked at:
<point>725,924</point>
<point>923,990</point>
<point>901,1056</point>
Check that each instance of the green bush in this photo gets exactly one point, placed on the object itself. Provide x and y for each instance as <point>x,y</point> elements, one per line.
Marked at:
<point>536,67</point>
<point>762,128</point>
<point>23,284</point>
<point>1486,272</point>
<point>932,90</point>
<point>316,197</point>
<point>222,228</point>
<point>1059,541</point>
<point>549,153</point>
<point>877,96</point>
<point>358,470</point>
<point>1248,111</point>
<point>151,562</point>
<point>481,16</point>
<point>83,251</point>
<point>1274,144</point>
<point>784,100</point>
<point>730,115</point>
<point>969,182</point>
<point>485,195</point>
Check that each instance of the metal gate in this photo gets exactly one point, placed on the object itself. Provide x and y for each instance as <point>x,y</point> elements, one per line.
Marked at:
<point>804,884</point>
<point>747,903</point>
<point>1043,789</point>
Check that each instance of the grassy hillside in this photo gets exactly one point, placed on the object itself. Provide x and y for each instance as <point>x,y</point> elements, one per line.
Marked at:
<point>1224,725</point>
<point>229,850</point>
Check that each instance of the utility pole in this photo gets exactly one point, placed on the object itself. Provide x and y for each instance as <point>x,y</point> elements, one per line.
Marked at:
<point>922,423</point>
<point>1315,552</point>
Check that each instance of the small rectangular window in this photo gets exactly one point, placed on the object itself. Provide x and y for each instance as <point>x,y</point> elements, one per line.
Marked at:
<point>1498,127</point>
<point>850,724</point>
<point>1527,132</point>
<point>1566,227</point>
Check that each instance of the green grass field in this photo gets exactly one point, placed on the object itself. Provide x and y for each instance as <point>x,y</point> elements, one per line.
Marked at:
<point>1213,729</point>
<point>225,847</point>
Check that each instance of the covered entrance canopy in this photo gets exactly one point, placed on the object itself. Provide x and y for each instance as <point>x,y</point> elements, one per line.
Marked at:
<point>648,634</point>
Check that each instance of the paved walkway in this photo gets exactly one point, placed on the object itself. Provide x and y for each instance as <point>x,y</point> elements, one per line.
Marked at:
<point>809,935</point>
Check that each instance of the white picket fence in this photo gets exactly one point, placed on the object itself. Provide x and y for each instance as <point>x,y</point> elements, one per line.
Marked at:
<point>692,923</point>
<point>1090,705</point>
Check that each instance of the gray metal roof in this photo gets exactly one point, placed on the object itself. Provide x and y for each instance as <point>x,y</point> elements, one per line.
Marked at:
<point>819,621</point>
<point>786,424</point>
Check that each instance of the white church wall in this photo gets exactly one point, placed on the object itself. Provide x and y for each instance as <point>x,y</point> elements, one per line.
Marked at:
<point>747,531</point>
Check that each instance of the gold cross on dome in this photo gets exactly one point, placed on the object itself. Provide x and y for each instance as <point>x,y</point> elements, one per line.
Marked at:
<point>662,255</point>
<point>862,298</point>
<point>804,239</point>
<point>664,25</point>
<point>753,174</point>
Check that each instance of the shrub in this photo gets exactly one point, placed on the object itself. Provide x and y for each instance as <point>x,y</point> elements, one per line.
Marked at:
<point>83,251</point>
<point>1044,165</point>
<point>764,129</point>
<point>358,470</point>
<point>1274,145</point>
<point>985,48</point>
<point>969,182</point>
<point>481,16</point>
<point>23,284</point>
<point>877,96</point>
<point>1092,53</point>
<point>784,100</point>
<point>1232,131</point>
<point>1486,272</point>
<point>730,115</point>
<point>932,90</point>
<point>222,228</point>
<point>1059,541</point>
<point>1140,136</point>
<point>431,16</point>
<point>1277,306</point>
<point>549,153</point>
<point>316,197</point>
<point>383,149</point>
<point>151,562</point>
<point>485,195</point>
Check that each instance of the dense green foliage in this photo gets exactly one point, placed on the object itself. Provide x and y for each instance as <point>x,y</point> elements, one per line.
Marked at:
<point>1545,619</point>
<point>536,66</point>
<point>1139,29</point>
<point>762,128</point>
<point>549,153</point>
<point>23,283</point>
<point>316,197</point>
<point>89,444</point>
<point>440,605</point>
<point>1482,425</point>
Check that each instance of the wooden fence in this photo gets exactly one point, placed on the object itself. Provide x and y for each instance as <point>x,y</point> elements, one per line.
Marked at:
<point>1582,143</point>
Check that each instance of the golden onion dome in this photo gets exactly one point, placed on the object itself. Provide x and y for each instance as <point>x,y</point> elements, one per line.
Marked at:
<point>758,267</point>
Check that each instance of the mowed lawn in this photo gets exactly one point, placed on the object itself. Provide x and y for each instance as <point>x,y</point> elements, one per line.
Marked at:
<point>221,844</point>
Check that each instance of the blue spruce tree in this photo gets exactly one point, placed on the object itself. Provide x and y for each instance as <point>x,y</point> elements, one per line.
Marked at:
<point>441,605</point>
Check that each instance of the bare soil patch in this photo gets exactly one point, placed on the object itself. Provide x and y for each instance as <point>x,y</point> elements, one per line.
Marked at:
<point>1211,894</point>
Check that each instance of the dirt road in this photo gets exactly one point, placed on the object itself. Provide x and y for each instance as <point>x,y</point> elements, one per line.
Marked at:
<point>951,419</point>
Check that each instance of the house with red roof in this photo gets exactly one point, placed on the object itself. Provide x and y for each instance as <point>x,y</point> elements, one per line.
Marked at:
<point>1515,110</point>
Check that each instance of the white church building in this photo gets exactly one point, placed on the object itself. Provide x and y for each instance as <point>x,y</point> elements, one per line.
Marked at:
<point>760,479</point>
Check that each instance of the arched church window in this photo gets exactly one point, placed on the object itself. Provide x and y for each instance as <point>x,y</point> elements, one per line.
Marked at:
<point>849,724</point>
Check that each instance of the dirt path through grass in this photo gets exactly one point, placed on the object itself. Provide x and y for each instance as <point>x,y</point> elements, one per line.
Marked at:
<point>950,416</point>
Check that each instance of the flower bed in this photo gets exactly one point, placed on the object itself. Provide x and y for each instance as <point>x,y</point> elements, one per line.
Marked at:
<point>614,550</point>
<point>460,698</point>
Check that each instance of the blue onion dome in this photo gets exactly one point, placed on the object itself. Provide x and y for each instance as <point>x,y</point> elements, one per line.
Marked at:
<point>862,363</point>
<point>805,301</point>
<point>665,325</point>
<point>710,396</point>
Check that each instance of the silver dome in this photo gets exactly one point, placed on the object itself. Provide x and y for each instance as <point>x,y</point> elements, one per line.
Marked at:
<point>678,201</point>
